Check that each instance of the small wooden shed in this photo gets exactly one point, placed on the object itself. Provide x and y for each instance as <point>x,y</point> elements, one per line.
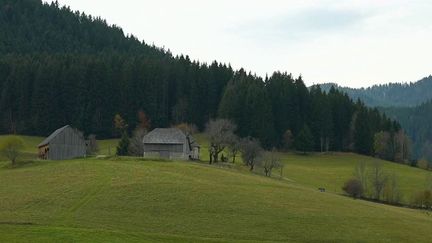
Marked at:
<point>170,143</point>
<point>64,143</point>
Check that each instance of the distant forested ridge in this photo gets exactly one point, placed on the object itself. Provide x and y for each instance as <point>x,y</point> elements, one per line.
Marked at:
<point>417,121</point>
<point>409,104</point>
<point>61,67</point>
<point>390,95</point>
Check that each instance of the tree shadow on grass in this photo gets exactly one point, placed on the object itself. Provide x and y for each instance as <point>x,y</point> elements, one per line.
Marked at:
<point>23,164</point>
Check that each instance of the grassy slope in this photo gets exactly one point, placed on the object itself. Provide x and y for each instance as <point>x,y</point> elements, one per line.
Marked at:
<point>71,200</point>
<point>126,199</point>
<point>332,170</point>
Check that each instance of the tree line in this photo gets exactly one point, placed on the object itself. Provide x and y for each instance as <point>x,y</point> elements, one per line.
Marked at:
<point>282,112</point>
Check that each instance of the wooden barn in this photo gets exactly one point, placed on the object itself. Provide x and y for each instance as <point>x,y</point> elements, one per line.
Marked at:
<point>170,143</point>
<point>64,143</point>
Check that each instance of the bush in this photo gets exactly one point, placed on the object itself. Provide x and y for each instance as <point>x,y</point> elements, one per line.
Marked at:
<point>11,148</point>
<point>423,199</point>
<point>423,164</point>
<point>354,188</point>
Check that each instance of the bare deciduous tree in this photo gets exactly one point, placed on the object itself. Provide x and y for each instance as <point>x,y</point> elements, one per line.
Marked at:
<point>219,132</point>
<point>143,121</point>
<point>361,174</point>
<point>270,161</point>
<point>378,180</point>
<point>234,147</point>
<point>92,145</point>
<point>136,147</point>
<point>251,151</point>
<point>392,194</point>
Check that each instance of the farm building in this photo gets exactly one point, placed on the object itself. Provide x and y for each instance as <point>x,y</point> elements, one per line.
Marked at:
<point>64,143</point>
<point>170,143</point>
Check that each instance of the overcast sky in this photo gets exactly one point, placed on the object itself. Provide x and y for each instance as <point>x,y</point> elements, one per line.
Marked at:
<point>351,42</point>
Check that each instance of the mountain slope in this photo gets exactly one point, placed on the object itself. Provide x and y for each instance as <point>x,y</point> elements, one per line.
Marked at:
<point>126,199</point>
<point>417,122</point>
<point>62,67</point>
<point>394,94</point>
<point>28,26</point>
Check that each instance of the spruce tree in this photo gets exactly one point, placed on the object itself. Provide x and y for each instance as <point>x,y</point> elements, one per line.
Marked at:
<point>304,141</point>
<point>123,146</point>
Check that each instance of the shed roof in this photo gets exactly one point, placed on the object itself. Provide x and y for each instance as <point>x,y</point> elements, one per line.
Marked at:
<point>48,140</point>
<point>193,143</point>
<point>165,136</point>
<point>52,136</point>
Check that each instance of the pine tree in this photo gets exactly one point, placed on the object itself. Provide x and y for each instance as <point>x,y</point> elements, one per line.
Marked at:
<point>304,140</point>
<point>363,134</point>
<point>123,146</point>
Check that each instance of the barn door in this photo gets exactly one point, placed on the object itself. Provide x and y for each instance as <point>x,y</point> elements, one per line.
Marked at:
<point>164,154</point>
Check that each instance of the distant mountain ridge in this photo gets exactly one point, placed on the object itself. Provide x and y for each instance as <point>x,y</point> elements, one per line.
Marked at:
<point>390,95</point>
<point>416,121</point>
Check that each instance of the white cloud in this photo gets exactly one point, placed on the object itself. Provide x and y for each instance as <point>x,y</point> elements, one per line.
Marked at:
<point>355,43</point>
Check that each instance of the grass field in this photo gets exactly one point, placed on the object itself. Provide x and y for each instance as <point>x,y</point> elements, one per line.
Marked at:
<point>128,199</point>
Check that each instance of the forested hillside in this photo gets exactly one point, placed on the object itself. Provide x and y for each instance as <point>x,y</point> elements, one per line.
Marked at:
<point>58,67</point>
<point>62,67</point>
<point>417,122</point>
<point>391,95</point>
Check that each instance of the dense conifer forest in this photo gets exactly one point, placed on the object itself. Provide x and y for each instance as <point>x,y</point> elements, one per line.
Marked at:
<point>61,67</point>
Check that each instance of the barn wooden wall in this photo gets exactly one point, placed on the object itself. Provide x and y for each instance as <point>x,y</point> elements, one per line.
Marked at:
<point>67,145</point>
<point>169,151</point>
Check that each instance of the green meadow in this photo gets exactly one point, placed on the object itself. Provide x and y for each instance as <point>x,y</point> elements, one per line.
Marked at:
<point>121,199</point>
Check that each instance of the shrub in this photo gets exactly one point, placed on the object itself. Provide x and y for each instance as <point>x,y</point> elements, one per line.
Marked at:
<point>11,148</point>
<point>354,188</point>
<point>423,164</point>
<point>423,199</point>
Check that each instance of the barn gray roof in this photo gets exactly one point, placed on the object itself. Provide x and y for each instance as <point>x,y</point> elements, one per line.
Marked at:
<point>52,136</point>
<point>169,136</point>
<point>165,136</point>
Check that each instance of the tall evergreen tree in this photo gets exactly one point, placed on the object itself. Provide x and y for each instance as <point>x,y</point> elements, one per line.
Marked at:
<point>304,140</point>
